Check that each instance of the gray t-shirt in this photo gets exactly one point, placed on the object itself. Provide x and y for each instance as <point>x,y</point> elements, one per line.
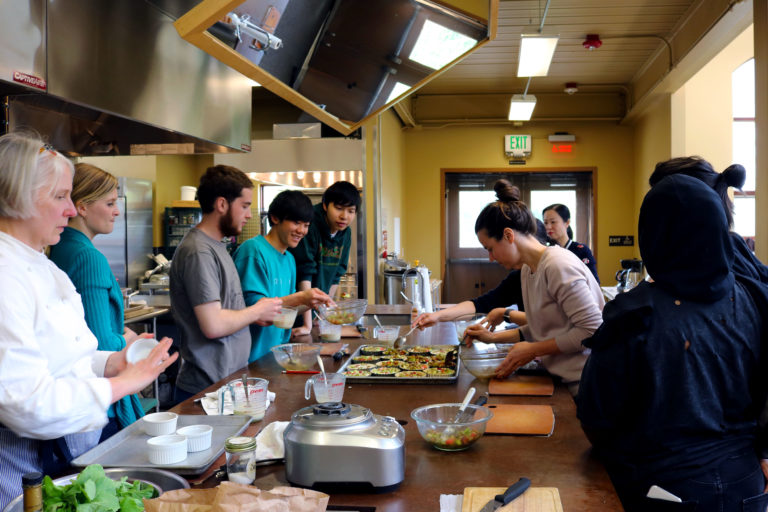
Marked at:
<point>202,271</point>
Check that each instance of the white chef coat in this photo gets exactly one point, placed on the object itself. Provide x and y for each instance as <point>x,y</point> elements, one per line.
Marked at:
<point>48,358</point>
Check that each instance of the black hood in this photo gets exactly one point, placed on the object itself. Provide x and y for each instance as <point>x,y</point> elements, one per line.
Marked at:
<point>684,239</point>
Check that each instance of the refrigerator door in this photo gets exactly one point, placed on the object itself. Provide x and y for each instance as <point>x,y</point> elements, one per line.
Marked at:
<point>138,216</point>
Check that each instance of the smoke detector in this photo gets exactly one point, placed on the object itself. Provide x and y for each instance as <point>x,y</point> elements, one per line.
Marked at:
<point>592,42</point>
<point>571,88</point>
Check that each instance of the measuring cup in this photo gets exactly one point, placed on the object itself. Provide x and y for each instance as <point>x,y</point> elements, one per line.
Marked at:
<point>328,331</point>
<point>254,404</point>
<point>330,389</point>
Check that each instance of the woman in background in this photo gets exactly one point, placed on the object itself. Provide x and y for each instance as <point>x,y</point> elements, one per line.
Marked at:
<point>563,302</point>
<point>94,194</point>
<point>55,387</point>
<point>557,220</point>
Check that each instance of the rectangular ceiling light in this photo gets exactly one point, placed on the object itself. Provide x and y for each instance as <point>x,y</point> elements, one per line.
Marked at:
<point>536,53</point>
<point>521,107</point>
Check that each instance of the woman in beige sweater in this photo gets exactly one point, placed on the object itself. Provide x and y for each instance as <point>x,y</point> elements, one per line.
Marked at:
<point>563,302</point>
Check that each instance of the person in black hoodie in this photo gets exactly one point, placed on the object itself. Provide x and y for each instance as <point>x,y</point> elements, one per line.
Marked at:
<point>672,392</point>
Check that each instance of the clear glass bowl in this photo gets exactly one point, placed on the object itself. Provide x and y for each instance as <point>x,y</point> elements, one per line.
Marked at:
<point>481,359</point>
<point>296,356</point>
<point>344,312</point>
<point>435,423</point>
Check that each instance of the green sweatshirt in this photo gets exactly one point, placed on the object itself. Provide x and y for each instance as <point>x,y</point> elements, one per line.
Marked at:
<point>320,258</point>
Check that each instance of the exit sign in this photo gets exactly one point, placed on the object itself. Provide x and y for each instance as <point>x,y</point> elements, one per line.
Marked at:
<point>517,145</point>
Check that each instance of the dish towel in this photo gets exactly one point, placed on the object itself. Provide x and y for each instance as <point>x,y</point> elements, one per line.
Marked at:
<point>210,403</point>
<point>269,442</point>
<point>451,502</point>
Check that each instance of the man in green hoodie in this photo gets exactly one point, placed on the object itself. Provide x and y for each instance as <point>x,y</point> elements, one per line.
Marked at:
<point>322,255</point>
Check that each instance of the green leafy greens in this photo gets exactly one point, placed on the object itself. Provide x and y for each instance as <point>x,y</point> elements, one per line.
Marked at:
<point>94,491</point>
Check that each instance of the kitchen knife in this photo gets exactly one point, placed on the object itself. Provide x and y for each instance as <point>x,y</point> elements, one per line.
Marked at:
<point>341,353</point>
<point>512,492</point>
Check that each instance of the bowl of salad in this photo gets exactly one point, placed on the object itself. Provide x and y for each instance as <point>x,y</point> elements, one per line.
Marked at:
<point>437,426</point>
<point>344,312</point>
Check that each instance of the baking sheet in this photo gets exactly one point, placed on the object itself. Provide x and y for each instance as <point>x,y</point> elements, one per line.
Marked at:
<point>128,448</point>
<point>397,380</point>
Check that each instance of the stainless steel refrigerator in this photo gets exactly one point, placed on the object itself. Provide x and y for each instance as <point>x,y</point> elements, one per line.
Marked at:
<point>127,247</point>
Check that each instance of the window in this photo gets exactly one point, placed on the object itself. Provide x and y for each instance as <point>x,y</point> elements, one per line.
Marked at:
<point>743,89</point>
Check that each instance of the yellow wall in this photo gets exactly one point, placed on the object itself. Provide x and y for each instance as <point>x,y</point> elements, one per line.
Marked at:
<point>652,145</point>
<point>605,146</point>
<point>702,108</point>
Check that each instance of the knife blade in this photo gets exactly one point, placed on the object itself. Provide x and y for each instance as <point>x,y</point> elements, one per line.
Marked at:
<point>512,492</point>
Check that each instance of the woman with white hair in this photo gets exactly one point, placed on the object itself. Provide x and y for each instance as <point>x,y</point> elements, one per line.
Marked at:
<point>53,381</point>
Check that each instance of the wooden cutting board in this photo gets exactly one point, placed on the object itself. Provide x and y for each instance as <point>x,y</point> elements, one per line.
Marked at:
<point>530,385</point>
<point>350,331</point>
<point>535,499</point>
<point>521,419</point>
<point>135,311</point>
<point>330,348</point>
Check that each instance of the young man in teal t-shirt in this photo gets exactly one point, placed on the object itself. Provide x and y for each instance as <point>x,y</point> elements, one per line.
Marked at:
<point>321,258</point>
<point>267,269</point>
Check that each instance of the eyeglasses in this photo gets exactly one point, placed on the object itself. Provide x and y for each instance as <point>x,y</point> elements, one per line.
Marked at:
<point>47,147</point>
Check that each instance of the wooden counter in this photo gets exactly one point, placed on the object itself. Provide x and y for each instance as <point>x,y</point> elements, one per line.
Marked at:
<point>562,460</point>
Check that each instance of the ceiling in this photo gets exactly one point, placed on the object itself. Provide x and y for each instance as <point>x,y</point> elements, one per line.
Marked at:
<point>642,41</point>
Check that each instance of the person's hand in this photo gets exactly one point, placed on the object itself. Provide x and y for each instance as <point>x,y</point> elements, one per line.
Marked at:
<point>131,336</point>
<point>266,310</point>
<point>477,332</point>
<point>135,377</point>
<point>426,320</point>
<point>314,297</point>
<point>494,318</point>
<point>520,354</point>
<point>300,331</point>
<point>764,467</point>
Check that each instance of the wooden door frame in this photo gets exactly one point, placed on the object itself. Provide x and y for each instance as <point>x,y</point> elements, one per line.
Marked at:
<point>506,170</point>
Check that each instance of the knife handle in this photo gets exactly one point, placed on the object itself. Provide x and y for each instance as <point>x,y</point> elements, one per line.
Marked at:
<point>513,491</point>
<point>482,400</point>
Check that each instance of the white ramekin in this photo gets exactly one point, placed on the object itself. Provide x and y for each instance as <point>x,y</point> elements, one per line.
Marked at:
<point>160,423</point>
<point>167,449</point>
<point>198,437</point>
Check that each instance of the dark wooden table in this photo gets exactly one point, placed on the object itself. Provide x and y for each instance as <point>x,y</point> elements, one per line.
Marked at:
<point>562,460</point>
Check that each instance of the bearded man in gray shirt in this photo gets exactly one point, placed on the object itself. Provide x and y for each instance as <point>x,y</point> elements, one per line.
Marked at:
<point>206,298</point>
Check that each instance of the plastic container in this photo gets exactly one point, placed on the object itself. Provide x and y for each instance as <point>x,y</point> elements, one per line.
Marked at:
<point>241,459</point>
<point>188,193</point>
<point>286,317</point>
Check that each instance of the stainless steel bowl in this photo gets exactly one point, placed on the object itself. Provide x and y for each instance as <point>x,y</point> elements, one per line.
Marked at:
<point>158,478</point>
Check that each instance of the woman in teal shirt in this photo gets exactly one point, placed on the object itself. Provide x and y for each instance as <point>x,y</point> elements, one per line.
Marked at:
<point>94,194</point>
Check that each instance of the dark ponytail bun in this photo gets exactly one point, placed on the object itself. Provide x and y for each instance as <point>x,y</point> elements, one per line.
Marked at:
<point>506,191</point>
<point>734,176</point>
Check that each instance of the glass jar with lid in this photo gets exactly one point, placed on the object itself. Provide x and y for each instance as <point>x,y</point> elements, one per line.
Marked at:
<point>241,459</point>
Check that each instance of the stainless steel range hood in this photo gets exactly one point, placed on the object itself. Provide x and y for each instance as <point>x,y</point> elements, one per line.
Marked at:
<point>96,77</point>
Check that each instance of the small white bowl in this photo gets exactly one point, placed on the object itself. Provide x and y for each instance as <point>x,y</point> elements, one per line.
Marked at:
<point>198,437</point>
<point>167,449</point>
<point>140,349</point>
<point>160,423</point>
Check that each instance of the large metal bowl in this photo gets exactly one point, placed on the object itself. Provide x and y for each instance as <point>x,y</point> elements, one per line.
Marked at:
<point>160,479</point>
